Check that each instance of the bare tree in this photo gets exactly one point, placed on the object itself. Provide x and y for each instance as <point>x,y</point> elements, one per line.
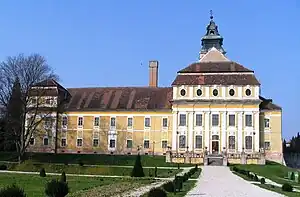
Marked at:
<point>29,70</point>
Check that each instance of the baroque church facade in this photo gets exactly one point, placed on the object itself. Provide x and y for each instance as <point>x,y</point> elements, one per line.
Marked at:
<point>213,106</point>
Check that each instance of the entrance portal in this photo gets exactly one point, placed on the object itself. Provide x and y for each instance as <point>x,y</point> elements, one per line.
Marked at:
<point>215,147</point>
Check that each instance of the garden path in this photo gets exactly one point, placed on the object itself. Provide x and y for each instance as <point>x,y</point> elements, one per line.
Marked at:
<point>219,181</point>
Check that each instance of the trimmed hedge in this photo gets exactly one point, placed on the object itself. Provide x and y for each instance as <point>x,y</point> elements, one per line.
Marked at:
<point>12,191</point>
<point>287,187</point>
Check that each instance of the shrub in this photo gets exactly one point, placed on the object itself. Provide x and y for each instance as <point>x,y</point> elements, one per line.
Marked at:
<point>80,163</point>
<point>42,172</point>
<point>155,171</point>
<point>137,170</point>
<point>235,169</point>
<point>293,176</point>
<point>178,181</point>
<point>157,192</point>
<point>196,167</point>
<point>3,167</point>
<point>56,188</point>
<point>185,177</point>
<point>12,191</point>
<point>169,186</point>
<point>63,177</point>
<point>262,181</point>
<point>256,178</point>
<point>287,187</point>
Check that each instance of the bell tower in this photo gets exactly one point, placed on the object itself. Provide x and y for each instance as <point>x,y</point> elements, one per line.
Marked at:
<point>212,38</point>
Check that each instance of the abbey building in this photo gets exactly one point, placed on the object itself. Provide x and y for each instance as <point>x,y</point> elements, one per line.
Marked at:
<point>212,107</point>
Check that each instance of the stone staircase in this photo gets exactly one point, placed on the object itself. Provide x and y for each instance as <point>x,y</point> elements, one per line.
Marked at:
<point>214,160</point>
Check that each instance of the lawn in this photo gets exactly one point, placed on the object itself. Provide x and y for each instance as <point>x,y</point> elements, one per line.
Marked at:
<point>271,170</point>
<point>29,166</point>
<point>92,159</point>
<point>34,185</point>
<point>278,190</point>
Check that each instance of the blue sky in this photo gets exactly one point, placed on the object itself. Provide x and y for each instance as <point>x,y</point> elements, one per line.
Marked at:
<point>109,43</point>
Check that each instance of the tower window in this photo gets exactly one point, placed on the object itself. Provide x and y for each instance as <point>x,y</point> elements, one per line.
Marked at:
<point>182,92</point>
<point>211,32</point>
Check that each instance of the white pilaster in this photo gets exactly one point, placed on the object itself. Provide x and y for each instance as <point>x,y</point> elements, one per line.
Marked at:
<point>174,131</point>
<point>224,129</point>
<point>256,130</point>
<point>240,131</point>
<point>190,130</point>
<point>207,130</point>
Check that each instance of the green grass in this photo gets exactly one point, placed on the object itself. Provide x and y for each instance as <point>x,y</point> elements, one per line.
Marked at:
<point>278,190</point>
<point>29,166</point>
<point>92,159</point>
<point>34,185</point>
<point>271,170</point>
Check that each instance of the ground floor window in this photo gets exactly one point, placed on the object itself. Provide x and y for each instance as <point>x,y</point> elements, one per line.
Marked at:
<point>267,145</point>
<point>198,141</point>
<point>164,144</point>
<point>46,141</point>
<point>129,143</point>
<point>231,143</point>
<point>31,141</point>
<point>146,144</point>
<point>63,142</point>
<point>112,143</point>
<point>248,143</point>
<point>79,142</point>
<point>95,142</point>
<point>182,141</point>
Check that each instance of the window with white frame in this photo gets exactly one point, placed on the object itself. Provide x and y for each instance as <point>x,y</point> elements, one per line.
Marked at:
<point>113,122</point>
<point>48,123</point>
<point>63,142</point>
<point>46,141</point>
<point>146,144</point>
<point>129,143</point>
<point>49,101</point>
<point>164,144</point>
<point>198,141</point>
<point>79,142</point>
<point>182,141</point>
<point>267,145</point>
<point>198,120</point>
<point>231,142</point>
<point>31,141</point>
<point>231,120</point>
<point>95,142</point>
<point>267,122</point>
<point>215,120</point>
<point>182,120</point>
<point>248,120</point>
<point>248,143</point>
<point>147,122</point>
<point>129,122</point>
<point>96,121</point>
<point>112,143</point>
<point>64,121</point>
<point>80,121</point>
<point>165,122</point>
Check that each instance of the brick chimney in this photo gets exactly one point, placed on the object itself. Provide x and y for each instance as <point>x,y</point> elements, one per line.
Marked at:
<point>153,73</point>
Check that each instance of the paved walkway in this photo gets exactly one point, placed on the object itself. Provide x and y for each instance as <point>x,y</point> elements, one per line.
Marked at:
<point>219,181</point>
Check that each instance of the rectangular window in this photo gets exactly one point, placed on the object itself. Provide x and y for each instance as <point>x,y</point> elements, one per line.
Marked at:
<point>129,143</point>
<point>198,141</point>
<point>267,122</point>
<point>31,141</point>
<point>80,121</point>
<point>64,121</point>
<point>79,142</point>
<point>96,121</point>
<point>112,122</point>
<point>248,119</point>
<point>112,143</point>
<point>198,120</point>
<point>165,122</point>
<point>33,101</point>
<point>182,141</point>
<point>267,145</point>
<point>46,141</point>
<point>164,144</point>
<point>182,120</point>
<point>48,122</point>
<point>49,101</point>
<point>231,144</point>
<point>231,119</point>
<point>215,120</point>
<point>146,144</point>
<point>248,140</point>
<point>129,122</point>
<point>63,142</point>
<point>95,142</point>
<point>147,122</point>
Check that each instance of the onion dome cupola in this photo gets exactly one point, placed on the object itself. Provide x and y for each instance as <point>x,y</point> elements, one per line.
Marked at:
<point>212,38</point>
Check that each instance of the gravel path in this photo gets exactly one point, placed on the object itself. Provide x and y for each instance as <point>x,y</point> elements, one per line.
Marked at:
<point>219,181</point>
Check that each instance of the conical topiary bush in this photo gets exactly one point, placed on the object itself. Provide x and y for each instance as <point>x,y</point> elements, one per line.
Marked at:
<point>137,170</point>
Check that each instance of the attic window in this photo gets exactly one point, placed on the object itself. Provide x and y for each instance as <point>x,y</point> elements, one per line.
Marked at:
<point>182,92</point>
<point>215,92</point>
<point>199,92</point>
<point>212,32</point>
<point>248,92</point>
<point>231,92</point>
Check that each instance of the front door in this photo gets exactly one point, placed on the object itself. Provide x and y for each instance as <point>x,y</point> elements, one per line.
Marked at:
<point>215,147</point>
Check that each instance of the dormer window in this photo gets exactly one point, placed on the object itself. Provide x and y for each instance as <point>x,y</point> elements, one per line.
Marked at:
<point>212,32</point>
<point>182,92</point>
